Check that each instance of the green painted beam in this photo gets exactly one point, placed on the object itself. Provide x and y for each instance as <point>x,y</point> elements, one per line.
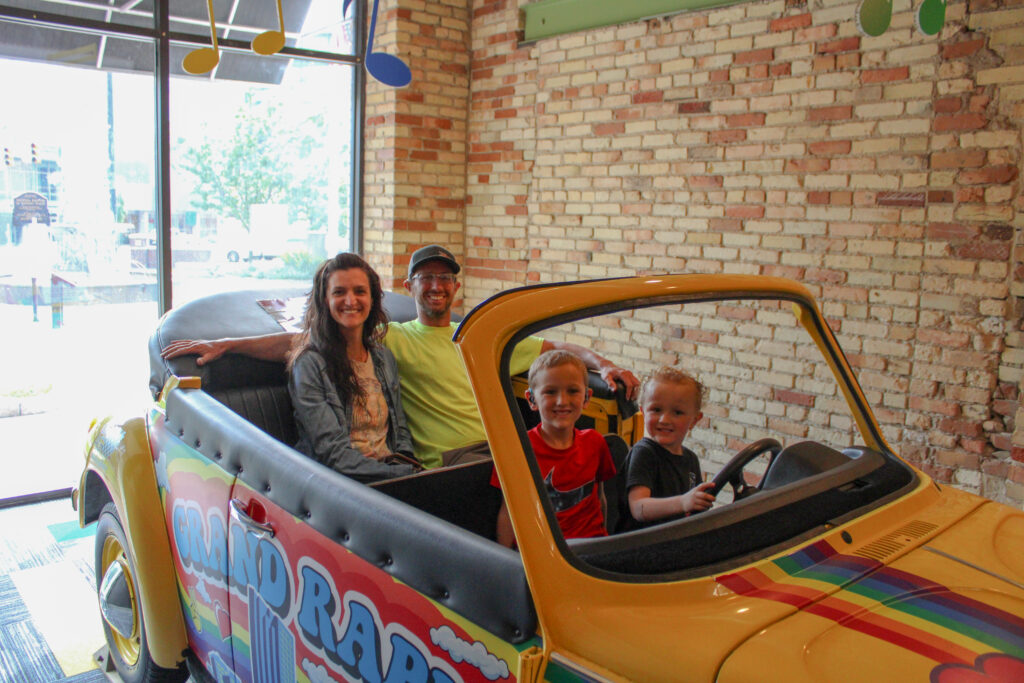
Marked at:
<point>554,17</point>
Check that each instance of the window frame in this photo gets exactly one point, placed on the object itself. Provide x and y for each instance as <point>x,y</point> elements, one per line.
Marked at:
<point>162,38</point>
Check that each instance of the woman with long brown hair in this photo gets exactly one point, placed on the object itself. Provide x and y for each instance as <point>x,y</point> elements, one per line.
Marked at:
<point>343,382</point>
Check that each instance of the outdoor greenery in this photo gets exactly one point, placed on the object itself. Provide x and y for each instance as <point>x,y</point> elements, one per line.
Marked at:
<point>266,160</point>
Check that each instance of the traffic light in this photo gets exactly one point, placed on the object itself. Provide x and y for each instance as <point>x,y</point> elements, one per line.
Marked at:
<point>35,154</point>
<point>7,156</point>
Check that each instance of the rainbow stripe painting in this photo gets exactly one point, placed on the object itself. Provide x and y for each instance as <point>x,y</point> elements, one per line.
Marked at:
<point>961,634</point>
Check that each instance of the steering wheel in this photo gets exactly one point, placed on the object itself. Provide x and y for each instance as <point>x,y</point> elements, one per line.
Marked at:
<point>732,473</point>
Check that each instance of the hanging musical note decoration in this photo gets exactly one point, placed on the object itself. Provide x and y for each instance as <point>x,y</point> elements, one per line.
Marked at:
<point>270,42</point>
<point>386,68</point>
<point>930,17</point>
<point>874,17</point>
<point>203,59</point>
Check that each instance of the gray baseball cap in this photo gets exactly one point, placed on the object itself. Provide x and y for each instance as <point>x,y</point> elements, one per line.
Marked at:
<point>432,252</point>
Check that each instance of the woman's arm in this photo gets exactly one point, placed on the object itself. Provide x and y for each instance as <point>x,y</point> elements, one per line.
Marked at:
<point>321,417</point>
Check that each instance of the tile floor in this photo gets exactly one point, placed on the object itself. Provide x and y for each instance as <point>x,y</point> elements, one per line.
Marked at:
<point>49,619</point>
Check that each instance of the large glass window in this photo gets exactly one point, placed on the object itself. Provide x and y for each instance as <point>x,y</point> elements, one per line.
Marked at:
<point>259,189</point>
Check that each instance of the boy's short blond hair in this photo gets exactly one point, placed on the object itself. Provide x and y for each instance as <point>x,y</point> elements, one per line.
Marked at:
<point>667,373</point>
<point>552,359</point>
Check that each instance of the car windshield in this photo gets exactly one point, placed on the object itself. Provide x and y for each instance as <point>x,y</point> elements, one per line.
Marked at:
<point>769,392</point>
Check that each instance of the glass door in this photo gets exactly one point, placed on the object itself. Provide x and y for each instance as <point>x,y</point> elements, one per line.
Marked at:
<point>260,148</point>
<point>76,302</point>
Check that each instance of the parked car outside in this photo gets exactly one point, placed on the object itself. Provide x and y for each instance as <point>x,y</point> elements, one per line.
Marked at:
<point>221,548</point>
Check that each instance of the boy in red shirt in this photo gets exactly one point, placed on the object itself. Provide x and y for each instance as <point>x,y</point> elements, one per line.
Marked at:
<point>573,462</point>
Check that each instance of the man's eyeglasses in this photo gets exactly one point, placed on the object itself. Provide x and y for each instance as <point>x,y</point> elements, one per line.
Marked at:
<point>438,278</point>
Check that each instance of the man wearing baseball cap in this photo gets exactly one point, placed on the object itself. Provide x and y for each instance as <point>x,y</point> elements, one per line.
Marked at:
<point>439,403</point>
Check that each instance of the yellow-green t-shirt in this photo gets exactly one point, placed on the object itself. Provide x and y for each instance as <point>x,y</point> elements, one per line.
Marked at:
<point>439,404</point>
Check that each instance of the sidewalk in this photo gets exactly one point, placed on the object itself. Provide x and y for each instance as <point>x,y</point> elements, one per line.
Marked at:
<point>41,452</point>
<point>53,382</point>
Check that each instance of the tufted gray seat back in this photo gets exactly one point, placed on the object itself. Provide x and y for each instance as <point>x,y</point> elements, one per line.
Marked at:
<point>471,575</point>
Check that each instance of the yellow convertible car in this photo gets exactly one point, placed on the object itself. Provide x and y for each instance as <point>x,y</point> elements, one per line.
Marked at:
<point>224,553</point>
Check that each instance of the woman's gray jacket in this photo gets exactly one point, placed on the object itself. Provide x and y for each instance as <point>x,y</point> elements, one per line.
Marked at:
<point>324,419</point>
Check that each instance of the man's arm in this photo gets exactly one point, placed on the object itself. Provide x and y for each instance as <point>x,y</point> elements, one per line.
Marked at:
<point>609,371</point>
<point>265,347</point>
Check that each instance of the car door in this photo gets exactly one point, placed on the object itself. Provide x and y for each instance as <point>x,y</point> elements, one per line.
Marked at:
<point>195,487</point>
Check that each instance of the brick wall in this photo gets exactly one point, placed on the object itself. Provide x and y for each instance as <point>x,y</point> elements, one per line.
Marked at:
<point>769,137</point>
<point>415,164</point>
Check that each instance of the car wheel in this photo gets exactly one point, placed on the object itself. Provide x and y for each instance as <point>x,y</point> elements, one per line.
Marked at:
<point>233,256</point>
<point>120,607</point>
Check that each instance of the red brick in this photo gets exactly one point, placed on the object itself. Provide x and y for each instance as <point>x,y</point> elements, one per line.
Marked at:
<point>704,181</point>
<point>609,128</point>
<point>744,211</point>
<point>961,427</point>
<point>790,23</point>
<point>970,195</point>
<point>940,196</point>
<point>825,63</point>
<point>831,147</point>
<point>990,175</point>
<point>842,45</point>
<point>901,199</point>
<point>978,103</point>
<point>407,95</point>
<point>962,49</point>
<point>807,165</point>
<point>754,56</point>
<point>836,113</point>
<point>781,69</point>
<point>950,231</point>
<point>489,8</point>
<point>948,122</point>
<point>725,225</point>
<point>736,312</point>
<point>791,272</point>
<point>793,397</point>
<point>960,158</point>
<point>943,475</point>
<point>947,105</point>
<point>726,136</point>
<point>758,72</point>
<point>749,120</point>
<point>648,97</point>
<point>885,75</point>
<point>833,277</point>
<point>984,251</point>
<point>817,197</point>
<point>850,60</point>
<point>701,336</point>
<point>693,107</point>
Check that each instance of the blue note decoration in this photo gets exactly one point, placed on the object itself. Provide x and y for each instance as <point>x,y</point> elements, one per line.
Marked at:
<point>388,69</point>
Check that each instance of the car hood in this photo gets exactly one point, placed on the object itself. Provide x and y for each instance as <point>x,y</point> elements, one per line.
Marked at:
<point>950,608</point>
